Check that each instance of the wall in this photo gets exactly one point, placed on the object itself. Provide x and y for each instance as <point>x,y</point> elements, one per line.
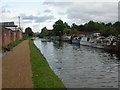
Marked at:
<point>7,35</point>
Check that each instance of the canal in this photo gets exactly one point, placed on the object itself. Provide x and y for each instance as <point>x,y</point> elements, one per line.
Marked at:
<point>81,66</point>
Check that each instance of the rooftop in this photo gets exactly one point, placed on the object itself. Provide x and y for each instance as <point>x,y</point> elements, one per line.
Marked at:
<point>8,24</point>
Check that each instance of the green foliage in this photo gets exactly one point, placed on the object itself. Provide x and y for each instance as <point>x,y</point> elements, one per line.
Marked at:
<point>74,31</point>
<point>116,25</point>
<point>0,47</point>
<point>109,24</point>
<point>74,26</point>
<point>92,26</point>
<point>109,31</point>
<point>44,31</point>
<point>81,28</point>
<point>66,25</point>
<point>25,37</point>
<point>67,31</point>
<point>28,31</point>
<point>43,76</point>
<point>59,27</point>
<point>51,33</point>
<point>15,43</point>
<point>11,45</point>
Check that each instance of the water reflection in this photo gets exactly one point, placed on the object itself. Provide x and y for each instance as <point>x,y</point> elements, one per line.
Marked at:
<point>81,66</point>
<point>58,44</point>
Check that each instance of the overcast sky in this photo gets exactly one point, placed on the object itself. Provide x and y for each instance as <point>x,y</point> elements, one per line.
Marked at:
<point>42,13</point>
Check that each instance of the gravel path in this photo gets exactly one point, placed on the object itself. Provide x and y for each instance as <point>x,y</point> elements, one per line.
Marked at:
<point>16,68</point>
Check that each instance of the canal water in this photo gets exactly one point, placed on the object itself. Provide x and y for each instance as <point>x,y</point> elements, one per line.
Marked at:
<point>81,66</point>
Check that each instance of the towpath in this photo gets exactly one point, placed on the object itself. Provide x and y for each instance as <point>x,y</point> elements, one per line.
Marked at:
<point>16,67</point>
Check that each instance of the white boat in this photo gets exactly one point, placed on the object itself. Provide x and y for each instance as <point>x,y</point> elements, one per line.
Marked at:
<point>97,43</point>
<point>76,40</point>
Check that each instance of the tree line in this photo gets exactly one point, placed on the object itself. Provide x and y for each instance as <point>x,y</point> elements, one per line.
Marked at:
<point>62,28</point>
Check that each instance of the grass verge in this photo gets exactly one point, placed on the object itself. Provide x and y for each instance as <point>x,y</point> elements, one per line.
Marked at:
<point>0,47</point>
<point>43,75</point>
<point>11,45</point>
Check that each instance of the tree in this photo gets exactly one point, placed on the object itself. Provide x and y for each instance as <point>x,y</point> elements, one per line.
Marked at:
<point>109,24</point>
<point>67,31</point>
<point>44,31</point>
<point>66,25</point>
<point>74,31</point>
<point>81,28</point>
<point>58,28</point>
<point>51,33</point>
<point>109,31</point>
<point>74,26</point>
<point>91,26</point>
<point>116,25</point>
<point>98,26</point>
<point>28,31</point>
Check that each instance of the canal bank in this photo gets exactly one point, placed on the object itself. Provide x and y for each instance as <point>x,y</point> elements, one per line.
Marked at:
<point>42,75</point>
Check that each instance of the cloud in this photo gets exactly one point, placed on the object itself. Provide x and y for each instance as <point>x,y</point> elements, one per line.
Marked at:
<point>47,11</point>
<point>86,11</point>
<point>101,12</point>
<point>44,18</point>
<point>119,11</point>
<point>30,17</point>
<point>37,19</point>
<point>58,3</point>
<point>61,13</point>
<point>27,21</point>
<point>4,9</point>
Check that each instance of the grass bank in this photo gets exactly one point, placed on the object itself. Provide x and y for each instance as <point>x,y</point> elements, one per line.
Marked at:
<point>43,75</point>
<point>11,45</point>
<point>0,47</point>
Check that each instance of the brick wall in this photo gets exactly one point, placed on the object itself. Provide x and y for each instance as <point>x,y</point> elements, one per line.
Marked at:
<point>7,35</point>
